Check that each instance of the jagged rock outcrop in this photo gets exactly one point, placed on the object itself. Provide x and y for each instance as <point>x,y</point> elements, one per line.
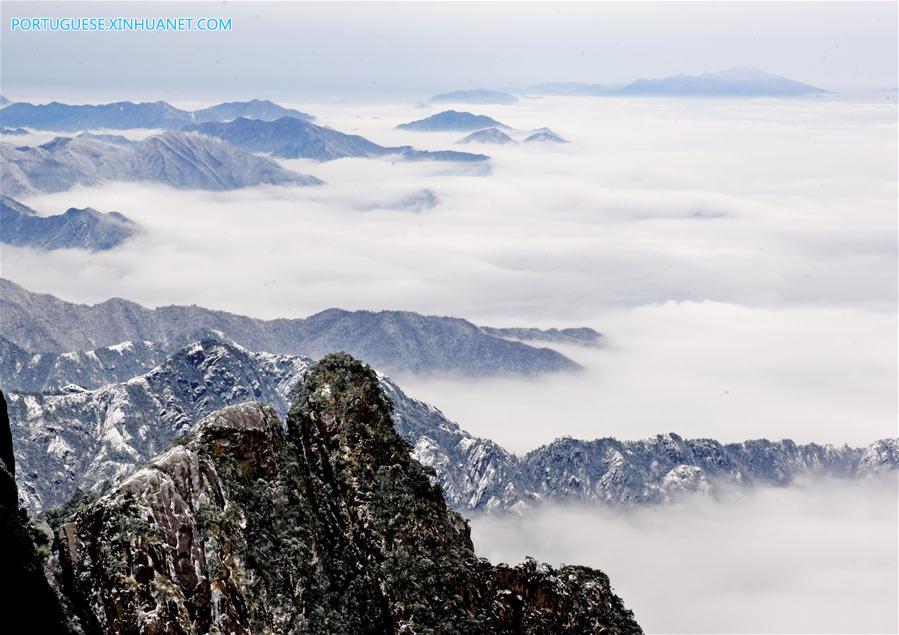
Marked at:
<point>329,526</point>
<point>26,594</point>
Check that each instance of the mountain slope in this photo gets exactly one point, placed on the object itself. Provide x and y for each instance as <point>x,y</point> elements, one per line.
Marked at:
<point>75,229</point>
<point>327,527</point>
<point>487,135</point>
<point>545,136</point>
<point>290,138</point>
<point>79,439</point>
<point>254,109</point>
<point>126,115</point>
<point>391,340</point>
<point>174,158</point>
<point>451,120</point>
<point>22,371</point>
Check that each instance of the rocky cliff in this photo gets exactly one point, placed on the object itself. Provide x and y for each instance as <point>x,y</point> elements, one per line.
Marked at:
<point>326,526</point>
<point>22,575</point>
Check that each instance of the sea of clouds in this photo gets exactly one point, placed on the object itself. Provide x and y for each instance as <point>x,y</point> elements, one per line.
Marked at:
<point>738,255</point>
<point>820,557</point>
<point>739,258</point>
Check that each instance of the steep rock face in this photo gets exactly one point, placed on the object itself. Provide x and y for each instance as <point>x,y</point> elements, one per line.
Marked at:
<point>327,527</point>
<point>21,569</point>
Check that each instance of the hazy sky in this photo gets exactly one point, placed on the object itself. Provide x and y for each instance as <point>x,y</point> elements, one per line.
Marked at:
<point>289,50</point>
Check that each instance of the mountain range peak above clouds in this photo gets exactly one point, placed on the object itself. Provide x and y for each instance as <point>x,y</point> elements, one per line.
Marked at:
<point>735,82</point>
<point>68,438</point>
<point>74,229</point>
<point>178,159</point>
<point>291,138</point>
<point>127,115</point>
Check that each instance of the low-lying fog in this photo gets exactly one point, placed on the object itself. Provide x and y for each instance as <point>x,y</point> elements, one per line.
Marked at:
<point>700,369</point>
<point>821,558</point>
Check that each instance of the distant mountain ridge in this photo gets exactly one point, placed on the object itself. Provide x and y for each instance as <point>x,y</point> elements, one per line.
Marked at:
<point>545,136</point>
<point>395,341</point>
<point>24,371</point>
<point>451,120</point>
<point>125,115</point>
<point>290,138</point>
<point>79,438</point>
<point>181,160</point>
<point>487,135</point>
<point>737,82</point>
<point>475,96</point>
<point>75,229</point>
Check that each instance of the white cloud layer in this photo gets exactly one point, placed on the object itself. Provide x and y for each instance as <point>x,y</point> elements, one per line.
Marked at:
<point>739,255</point>
<point>701,370</point>
<point>759,203</point>
<point>821,558</point>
